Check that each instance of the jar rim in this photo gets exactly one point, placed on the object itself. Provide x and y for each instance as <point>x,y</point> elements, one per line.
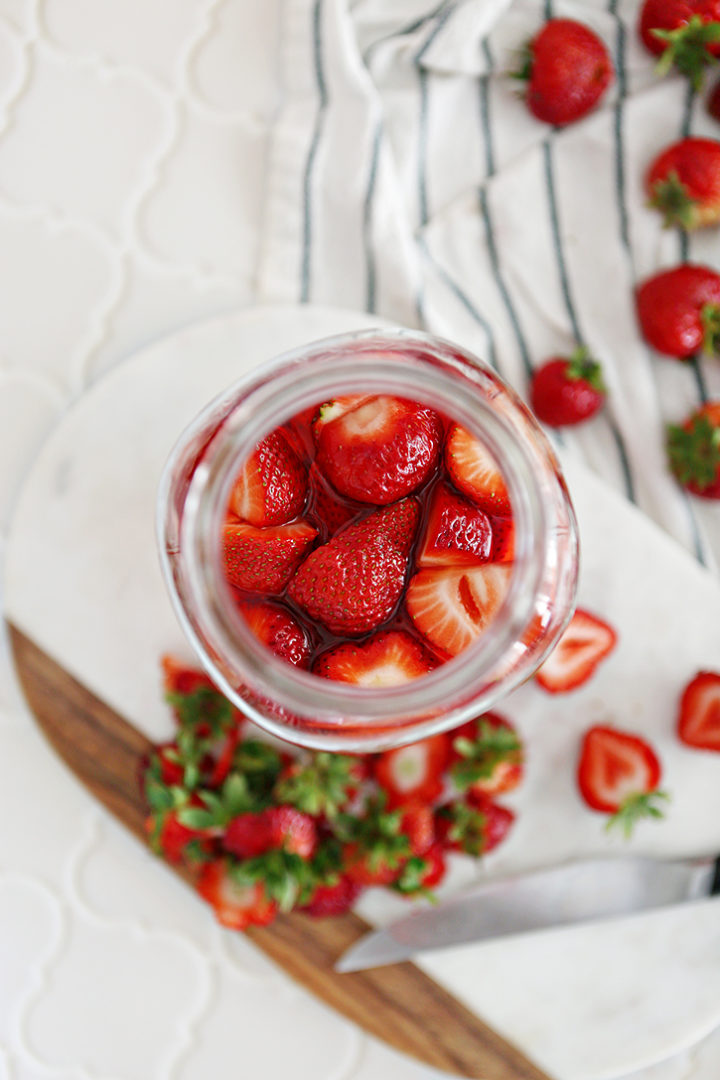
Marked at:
<point>266,397</point>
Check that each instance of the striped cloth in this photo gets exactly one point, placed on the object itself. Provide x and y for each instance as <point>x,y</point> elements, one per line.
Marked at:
<point>406,177</point>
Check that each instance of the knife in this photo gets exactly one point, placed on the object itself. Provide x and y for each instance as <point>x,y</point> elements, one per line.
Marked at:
<point>577,892</point>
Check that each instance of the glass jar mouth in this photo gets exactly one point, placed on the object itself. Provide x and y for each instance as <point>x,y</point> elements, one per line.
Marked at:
<point>400,363</point>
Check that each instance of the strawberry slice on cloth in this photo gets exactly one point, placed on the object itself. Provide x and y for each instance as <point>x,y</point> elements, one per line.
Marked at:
<point>586,641</point>
<point>619,774</point>
<point>699,718</point>
<point>381,450</point>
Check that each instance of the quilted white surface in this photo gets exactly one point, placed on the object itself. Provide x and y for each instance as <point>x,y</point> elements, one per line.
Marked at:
<point>133,142</point>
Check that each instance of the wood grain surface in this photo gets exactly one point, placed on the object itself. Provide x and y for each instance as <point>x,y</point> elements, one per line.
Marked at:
<point>398,1003</point>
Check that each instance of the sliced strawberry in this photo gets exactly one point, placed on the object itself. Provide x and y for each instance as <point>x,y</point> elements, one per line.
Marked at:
<point>474,826</point>
<point>413,773</point>
<point>619,774</point>
<point>457,533</point>
<point>334,409</point>
<point>223,761</point>
<point>327,511</point>
<point>264,560</point>
<point>475,472</point>
<point>418,824</point>
<point>381,450</point>
<point>353,583</point>
<point>278,630</point>
<point>699,719</point>
<point>252,834</point>
<point>451,608</point>
<point>503,540</point>
<point>487,756</point>
<point>272,485</point>
<point>329,900</point>
<point>586,642</point>
<point>388,658</point>
<point>236,906</point>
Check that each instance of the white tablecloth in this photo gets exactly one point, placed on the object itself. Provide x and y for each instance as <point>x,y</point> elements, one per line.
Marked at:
<point>166,160</point>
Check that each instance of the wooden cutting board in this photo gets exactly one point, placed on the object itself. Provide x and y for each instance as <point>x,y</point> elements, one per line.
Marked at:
<point>397,1003</point>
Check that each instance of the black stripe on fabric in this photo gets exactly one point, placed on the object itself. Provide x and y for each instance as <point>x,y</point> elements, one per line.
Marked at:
<point>312,152</point>
<point>422,148</point>
<point>684,239</point>
<point>464,299</point>
<point>570,305</point>
<point>409,28</point>
<point>368,211</point>
<point>487,217</point>
<point>621,74</point>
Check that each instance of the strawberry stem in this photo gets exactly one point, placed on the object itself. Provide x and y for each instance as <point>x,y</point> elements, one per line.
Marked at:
<point>694,452</point>
<point>710,318</point>
<point>687,49</point>
<point>643,804</point>
<point>581,365</point>
<point>671,197</point>
<point>525,64</point>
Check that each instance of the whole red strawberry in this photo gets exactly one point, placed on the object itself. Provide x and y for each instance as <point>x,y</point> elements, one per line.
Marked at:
<point>568,390</point>
<point>684,33</point>
<point>379,450</point>
<point>272,485</point>
<point>352,583</point>
<point>278,630</point>
<point>683,183</point>
<point>329,900</point>
<point>679,310</point>
<point>694,451</point>
<point>567,69</point>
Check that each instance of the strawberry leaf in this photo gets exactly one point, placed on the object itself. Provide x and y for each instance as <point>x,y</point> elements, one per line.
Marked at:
<point>581,365</point>
<point>694,452</point>
<point>467,827</point>
<point>635,808</point>
<point>672,198</point>
<point>687,49</point>
<point>323,786</point>
<point>479,757</point>
<point>710,317</point>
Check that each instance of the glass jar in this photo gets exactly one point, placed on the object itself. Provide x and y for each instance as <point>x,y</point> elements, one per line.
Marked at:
<point>295,704</point>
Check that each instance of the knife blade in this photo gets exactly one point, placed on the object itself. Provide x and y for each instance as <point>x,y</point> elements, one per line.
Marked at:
<point>577,892</point>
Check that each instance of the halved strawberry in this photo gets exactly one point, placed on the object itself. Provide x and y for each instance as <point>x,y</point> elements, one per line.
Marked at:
<point>325,508</point>
<point>586,642</point>
<point>329,900</point>
<point>272,484</point>
<point>252,834</point>
<point>236,906</point>
<point>388,658</point>
<point>436,866</point>
<point>451,608</point>
<point>503,540</point>
<point>487,755</point>
<point>474,826</point>
<point>381,450</point>
<point>475,472</point>
<point>174,837</point>
<point>413,773</point>
<point>457,533</point>
<point>699,718</point>
<point>334,409</point>
<point>278,630</point>
<point>619,774</point>
<point>352,583</point>
<point>370,868</point>
<point>264,560</point>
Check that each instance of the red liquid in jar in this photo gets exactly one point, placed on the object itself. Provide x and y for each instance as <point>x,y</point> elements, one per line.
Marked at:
<point>318,477</point>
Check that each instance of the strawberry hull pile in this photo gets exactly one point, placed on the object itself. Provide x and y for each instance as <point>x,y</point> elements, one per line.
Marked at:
<point>263,831</point>
<point>368,540</point>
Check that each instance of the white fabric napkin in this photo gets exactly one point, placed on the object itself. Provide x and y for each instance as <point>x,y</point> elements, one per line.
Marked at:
<point>406,177</point>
